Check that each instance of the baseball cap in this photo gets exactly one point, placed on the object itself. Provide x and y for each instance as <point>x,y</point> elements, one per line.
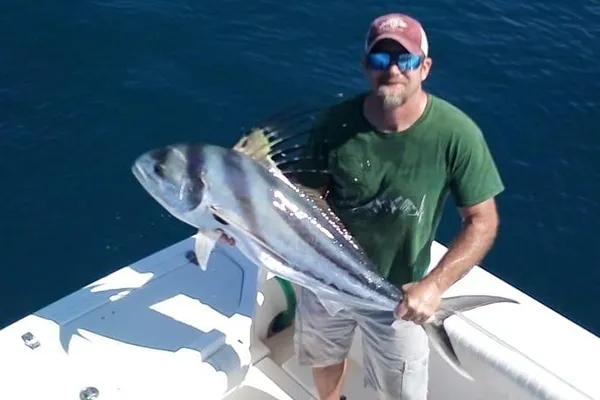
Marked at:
<point>399,27</point>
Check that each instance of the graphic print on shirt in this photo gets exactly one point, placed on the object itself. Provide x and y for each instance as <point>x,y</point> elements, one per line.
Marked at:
<point>360,187</point>
<point>400,204</point>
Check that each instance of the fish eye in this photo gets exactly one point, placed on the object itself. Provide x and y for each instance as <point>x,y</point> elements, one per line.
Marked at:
<point>159,170</point>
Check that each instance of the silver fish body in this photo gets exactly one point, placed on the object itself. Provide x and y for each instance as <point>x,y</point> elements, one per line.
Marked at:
<point>279,217</point>
<point>212,187</point>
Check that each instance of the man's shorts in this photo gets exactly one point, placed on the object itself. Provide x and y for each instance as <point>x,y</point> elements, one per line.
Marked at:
<point>395,352</point>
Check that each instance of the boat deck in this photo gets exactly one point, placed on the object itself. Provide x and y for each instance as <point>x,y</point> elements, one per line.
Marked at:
<point>164,328</point>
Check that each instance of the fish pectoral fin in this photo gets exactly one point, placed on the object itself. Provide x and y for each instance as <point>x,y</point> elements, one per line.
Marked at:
<point>449,306</point>
<point>205,242</point>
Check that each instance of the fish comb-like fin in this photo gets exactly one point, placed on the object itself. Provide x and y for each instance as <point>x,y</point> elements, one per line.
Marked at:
<point>256,145</point>
<point>273,142</point>
<point>306,171</point>
<point>284,152</point>
<point>288,115</point>
<point>293,160</point>
<point>283,121</point>
<point>280,137</point>
<point>263,143</point>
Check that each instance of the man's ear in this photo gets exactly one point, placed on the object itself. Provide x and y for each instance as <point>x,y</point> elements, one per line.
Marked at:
<point>425,68</point>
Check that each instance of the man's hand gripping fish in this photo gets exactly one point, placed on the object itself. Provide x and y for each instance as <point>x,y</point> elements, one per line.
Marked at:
<point>277,224</point>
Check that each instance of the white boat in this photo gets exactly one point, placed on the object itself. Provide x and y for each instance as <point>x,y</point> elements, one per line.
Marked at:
<point>163,328</point>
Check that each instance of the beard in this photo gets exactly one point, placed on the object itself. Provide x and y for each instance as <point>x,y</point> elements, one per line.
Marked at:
<point>391,97</point>
<point>394,95</point>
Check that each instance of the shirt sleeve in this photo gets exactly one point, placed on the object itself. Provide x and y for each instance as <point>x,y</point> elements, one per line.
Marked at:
<point>474,176</point>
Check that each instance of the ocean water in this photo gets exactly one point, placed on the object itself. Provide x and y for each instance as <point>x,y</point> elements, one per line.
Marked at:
<point>86,86</point>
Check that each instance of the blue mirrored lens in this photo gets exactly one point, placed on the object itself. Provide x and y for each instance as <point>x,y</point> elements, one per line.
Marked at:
<point>379,61</point>
<point>408,62</point>
<point>382,61</point>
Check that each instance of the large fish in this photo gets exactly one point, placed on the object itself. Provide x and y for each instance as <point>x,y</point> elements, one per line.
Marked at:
<point>277,224</point>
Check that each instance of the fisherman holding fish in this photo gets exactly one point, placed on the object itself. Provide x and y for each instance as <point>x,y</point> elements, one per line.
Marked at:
<point>357,239</point>
<point>395,153</point>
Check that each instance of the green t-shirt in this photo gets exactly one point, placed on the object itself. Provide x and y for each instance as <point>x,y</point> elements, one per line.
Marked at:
<point>389,189</point>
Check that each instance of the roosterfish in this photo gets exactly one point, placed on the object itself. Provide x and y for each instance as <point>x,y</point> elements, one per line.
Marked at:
<point>246,192</point>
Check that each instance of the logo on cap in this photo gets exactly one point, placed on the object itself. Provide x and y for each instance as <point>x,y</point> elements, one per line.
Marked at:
<point>392,24</point>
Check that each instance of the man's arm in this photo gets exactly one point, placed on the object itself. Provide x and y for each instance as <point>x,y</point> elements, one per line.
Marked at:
<point>474,182</point>
<point>479,228</point>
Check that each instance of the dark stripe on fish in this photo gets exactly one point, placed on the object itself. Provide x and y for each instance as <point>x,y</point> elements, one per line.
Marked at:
<point>194,191</point>
<point>242,190</point>
<point>329,251</point>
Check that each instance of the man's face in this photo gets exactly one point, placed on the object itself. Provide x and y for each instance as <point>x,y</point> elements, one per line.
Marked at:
<point>394,73</point>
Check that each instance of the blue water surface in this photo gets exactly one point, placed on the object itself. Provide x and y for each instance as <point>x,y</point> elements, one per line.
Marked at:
<point>87,85</point>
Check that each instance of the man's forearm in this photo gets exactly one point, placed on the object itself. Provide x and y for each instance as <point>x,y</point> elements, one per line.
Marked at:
<point>469,248</point>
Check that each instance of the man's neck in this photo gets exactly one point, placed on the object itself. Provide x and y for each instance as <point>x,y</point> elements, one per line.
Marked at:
<point>396,119</point>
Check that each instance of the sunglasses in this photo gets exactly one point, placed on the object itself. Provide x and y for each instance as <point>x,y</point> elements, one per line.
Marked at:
<point>383,61</point>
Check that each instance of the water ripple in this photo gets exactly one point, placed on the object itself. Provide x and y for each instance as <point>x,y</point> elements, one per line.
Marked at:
<point>85,87</point>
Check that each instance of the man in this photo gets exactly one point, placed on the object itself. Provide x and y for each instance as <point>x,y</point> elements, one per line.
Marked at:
<point>395,153</point>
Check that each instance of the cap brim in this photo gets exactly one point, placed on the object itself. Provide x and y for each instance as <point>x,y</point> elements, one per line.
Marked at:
<point>407,44</point>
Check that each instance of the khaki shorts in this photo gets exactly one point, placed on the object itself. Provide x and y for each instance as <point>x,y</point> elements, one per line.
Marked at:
<point>395,356</point>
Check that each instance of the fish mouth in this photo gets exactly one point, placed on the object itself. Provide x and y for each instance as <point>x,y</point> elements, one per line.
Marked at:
<point>149,183</point>
<point>139,169</point>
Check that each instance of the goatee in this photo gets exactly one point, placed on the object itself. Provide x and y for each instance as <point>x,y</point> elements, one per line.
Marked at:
<point>391,97</point>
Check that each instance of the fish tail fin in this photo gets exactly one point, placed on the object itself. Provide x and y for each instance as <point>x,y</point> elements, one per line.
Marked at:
<point>469,302</point>
<point>450,306</point>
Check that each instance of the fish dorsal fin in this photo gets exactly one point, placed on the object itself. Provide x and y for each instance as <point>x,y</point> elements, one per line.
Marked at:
<point>256,145</point>
<point>278,143</point>
<point>280,140</point>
